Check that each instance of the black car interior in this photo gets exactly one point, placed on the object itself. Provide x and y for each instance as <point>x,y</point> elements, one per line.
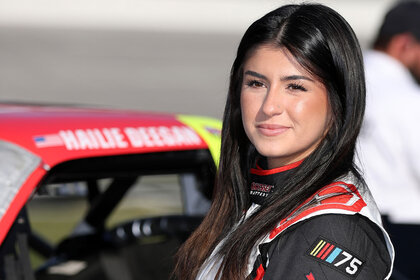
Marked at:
<point>139,248</point>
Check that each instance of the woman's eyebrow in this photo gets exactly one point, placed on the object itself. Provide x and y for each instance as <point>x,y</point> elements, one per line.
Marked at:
<point>255,74</point>
<point>296,77</point>
<point>286,78</point>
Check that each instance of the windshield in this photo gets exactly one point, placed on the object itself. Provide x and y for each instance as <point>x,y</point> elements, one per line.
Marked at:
<point>16,164</point>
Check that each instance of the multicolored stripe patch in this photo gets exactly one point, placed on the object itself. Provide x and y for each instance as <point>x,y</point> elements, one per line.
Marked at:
<point>336,257</point>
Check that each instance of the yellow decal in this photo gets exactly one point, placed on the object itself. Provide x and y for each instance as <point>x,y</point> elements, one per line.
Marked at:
<point>209,129</point>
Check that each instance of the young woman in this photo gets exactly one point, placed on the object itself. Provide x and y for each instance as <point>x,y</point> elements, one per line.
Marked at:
<point>289,202</point>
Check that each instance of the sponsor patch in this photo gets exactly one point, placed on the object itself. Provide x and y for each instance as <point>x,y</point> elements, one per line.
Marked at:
<point>260,189</point>
<point>335,256</point>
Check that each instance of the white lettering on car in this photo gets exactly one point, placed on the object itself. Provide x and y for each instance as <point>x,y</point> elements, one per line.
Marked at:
<point>135,137</point>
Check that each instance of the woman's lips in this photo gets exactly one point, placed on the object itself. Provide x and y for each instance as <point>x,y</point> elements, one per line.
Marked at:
<point>271,129</point>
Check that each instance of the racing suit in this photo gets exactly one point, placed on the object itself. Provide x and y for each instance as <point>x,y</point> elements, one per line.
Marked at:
<point>338,237</point>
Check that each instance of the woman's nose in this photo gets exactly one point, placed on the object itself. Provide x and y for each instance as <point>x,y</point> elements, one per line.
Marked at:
<point>273,102</point>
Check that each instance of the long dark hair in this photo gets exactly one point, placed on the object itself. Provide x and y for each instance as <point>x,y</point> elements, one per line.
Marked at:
<point>324,44</point>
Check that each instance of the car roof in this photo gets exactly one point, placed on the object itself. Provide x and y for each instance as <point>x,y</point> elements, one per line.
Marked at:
<point>61,133</point>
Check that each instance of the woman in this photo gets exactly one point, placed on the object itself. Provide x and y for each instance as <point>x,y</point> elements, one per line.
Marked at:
<point>289,202</point>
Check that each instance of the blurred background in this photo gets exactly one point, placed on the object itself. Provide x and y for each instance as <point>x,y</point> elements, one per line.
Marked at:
<point>154,55</point>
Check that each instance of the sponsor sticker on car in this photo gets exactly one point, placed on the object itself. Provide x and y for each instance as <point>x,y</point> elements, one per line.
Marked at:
<point>117,138</point>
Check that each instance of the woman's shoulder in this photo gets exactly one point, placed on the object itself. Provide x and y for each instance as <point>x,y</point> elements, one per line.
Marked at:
<point>330,246</point>
<point>351,230</point>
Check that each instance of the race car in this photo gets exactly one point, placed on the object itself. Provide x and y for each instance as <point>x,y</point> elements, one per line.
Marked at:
<point>90,193</point>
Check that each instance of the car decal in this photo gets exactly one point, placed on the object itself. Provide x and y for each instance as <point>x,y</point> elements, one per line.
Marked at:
<point>209,129</point>
<point>119,138</point>
<point>49,140</point>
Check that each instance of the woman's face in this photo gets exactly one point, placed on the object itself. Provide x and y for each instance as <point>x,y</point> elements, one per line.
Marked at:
<point>285,110</point>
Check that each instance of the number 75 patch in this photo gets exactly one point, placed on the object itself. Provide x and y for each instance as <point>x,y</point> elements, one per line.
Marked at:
<point>336,257</point>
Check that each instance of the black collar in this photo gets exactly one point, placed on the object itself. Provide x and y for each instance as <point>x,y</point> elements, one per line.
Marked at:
<point>266,181</point>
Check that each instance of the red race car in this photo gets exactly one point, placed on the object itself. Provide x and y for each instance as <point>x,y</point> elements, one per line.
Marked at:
<point>100,194</point>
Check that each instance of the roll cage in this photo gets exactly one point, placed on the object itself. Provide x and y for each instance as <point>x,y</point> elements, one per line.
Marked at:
<point>138,248</point>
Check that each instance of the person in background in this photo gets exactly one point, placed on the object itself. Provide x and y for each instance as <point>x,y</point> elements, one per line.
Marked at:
<point>289,202</point>
<point>389,144</point>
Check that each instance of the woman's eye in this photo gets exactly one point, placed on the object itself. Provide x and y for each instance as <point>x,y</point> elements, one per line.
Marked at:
<point>295,86</point>
<point>255,84</point>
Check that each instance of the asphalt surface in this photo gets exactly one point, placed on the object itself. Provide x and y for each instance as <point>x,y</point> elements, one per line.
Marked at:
<point>155,71</point>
